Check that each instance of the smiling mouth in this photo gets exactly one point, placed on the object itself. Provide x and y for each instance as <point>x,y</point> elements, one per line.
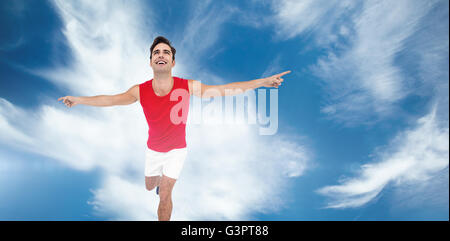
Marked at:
<point>161,62</point>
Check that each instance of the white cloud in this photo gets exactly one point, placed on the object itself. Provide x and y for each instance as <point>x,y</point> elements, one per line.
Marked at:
<point>430,195</point>
<point>231,171</point>
<point>413,157</point>
<point>124,199</point>
<point>204,26</point>
<point>315,17</point>
<point>363,82</point>
<point>198,39</point>
<point>365,77</point>
<point>109,44</point>
<point>9,113</point>
<point>273,67</point>
<point>229,175</point>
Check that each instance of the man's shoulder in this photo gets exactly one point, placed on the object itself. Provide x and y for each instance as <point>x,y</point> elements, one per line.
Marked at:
<point>143,84</point>
<point>179,78</point>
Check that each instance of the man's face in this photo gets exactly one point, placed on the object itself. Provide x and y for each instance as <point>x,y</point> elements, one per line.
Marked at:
<point>161,60</point>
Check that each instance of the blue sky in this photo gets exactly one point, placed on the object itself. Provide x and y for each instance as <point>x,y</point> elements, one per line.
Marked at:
<point>362,119</point>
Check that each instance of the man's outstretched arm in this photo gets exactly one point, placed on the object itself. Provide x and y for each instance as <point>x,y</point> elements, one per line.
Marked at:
<point>198,89</point>
<point>126,98</point>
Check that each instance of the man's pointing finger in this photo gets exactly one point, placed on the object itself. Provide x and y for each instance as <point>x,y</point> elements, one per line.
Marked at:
<point>284,73</point>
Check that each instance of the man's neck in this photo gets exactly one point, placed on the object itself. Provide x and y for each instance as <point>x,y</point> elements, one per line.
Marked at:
<point>163,80</point>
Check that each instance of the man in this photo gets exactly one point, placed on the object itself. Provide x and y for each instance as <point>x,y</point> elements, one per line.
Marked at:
<point>166,143</point>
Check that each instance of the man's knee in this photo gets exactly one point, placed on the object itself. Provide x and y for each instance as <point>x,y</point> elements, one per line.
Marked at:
<point>149,187</point>
<point>165,195</point>
<point>151,182</point>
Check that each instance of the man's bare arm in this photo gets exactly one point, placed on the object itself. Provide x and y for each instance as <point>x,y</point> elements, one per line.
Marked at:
<point>126,98</point>
<point>201,90</point>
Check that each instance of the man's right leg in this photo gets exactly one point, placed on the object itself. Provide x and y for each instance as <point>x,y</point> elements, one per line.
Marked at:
<point>165,198</point>
<point>152,182</point>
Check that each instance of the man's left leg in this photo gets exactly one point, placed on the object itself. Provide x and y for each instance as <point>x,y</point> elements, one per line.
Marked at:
<point>165,198</point>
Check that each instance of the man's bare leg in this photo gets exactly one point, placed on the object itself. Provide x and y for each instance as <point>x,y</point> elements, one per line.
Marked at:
<point>152,182</point>
<point>165,198</point>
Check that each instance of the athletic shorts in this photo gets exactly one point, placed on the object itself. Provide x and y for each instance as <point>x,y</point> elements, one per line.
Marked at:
<point>164,163</point>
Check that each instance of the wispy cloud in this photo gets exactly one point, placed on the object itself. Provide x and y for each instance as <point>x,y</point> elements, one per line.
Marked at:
<point>13,38</point>
<point>427,195</point>
<point>199,38</point>
<point>360,72</point>
<point>273,67</point>
<point>365,77</point>
<point>365,82</point>
<point>13,45</point>
<point>413,157</point>
<point>103,58</point>
<point>318,18</point>
<point>204,26</point>
<point>227,169</point>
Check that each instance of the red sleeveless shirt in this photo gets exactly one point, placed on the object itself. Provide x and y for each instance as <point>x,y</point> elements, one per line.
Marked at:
<point>166,115</point>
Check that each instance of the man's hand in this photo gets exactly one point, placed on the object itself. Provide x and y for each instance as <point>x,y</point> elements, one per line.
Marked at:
<point>274,80</point>
<point>69,101</point>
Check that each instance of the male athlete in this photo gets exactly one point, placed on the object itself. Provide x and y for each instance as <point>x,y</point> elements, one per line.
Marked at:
<point>166,143</point>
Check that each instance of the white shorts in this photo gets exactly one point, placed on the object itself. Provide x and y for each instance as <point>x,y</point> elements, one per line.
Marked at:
<point>164,163</point>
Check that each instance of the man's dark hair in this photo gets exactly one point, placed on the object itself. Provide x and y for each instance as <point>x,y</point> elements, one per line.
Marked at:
<point>161,39</point>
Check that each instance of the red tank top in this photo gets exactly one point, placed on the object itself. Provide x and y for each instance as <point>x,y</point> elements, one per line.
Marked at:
<point>166,115</point>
